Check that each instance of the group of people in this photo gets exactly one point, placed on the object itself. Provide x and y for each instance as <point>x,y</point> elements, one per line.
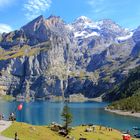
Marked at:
<point>12,117</point>
<point>106,128</point>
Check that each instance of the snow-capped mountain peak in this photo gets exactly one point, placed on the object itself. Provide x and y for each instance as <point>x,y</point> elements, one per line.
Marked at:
<point>84,27</point>
<point>85,22</point>
<point>83,19</point>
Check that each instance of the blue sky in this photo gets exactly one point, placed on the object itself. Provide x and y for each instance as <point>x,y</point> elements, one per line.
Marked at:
<point>16,13</point>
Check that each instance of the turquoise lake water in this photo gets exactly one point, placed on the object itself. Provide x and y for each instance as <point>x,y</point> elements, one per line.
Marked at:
<point>45,112</point>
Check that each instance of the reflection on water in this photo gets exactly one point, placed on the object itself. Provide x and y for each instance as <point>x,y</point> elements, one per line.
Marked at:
<point>44,112</point>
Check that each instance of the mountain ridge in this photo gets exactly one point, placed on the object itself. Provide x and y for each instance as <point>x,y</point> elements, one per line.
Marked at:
<point>62,59</point>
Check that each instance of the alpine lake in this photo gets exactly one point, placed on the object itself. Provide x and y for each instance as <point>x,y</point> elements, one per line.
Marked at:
<point>46,112</point>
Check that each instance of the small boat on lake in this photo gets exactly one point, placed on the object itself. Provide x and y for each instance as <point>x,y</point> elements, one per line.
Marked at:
<point>136,128</point>
<point>137,135</point>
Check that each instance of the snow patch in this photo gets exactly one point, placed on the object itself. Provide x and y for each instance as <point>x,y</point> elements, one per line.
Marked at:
<point>123,38</point>
<point>85,34</point>
<point>83,18</point>
<point>70,27</point>
<point>91,26</point>
<point>80,34</point>
<point>92,34</point>
<point>100,23</point>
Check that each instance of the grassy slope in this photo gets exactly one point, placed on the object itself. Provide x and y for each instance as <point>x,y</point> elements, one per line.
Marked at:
<point>29,132</point>
<point>6,97</point>
<point>25,50</point>
<point>18,52</point>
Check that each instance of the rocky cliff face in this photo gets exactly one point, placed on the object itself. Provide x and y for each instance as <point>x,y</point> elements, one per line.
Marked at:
<point>48,57</point>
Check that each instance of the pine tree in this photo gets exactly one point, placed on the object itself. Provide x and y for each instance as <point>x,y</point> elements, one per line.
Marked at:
<point>67,118</point>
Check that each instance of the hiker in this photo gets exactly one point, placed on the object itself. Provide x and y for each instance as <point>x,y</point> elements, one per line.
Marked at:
<point>1,116</point>
<point>93,127</point>
<point>16,136</point>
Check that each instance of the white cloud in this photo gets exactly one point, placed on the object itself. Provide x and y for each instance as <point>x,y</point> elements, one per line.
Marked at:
<point>95,2</point>
<point>103,8</point>
<point>98,6</point>
<point>5,3</point>
<point>5,28</point>
<point>34,8</point>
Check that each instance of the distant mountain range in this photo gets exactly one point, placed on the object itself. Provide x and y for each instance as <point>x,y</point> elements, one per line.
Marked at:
<point>49,57</point>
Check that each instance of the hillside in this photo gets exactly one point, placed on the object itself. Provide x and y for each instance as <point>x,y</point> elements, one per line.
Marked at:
<point>127,88</point>
<point>129,104</point>
<point>128,93</point>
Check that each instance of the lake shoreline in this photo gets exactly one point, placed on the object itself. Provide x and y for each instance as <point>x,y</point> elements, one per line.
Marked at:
<point>76,98</point>
<point>124,113</point>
